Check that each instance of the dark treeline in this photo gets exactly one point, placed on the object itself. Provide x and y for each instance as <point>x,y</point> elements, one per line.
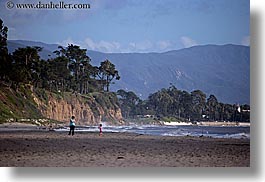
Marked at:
<point>69,71</point>
<point>183,105</point>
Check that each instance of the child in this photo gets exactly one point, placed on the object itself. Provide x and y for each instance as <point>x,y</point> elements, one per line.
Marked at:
<point>100,129</point>
<point>72,126</point>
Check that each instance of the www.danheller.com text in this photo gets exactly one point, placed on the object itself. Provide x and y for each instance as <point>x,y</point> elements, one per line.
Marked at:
<point>50,5</point>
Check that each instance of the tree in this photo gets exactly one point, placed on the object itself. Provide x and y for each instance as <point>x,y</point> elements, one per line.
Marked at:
<point>27,56</point>
<point>77,58</point>
<point>25,64</point>
<point>5,61</point>
<point>3,37</point>
<point>84,74</point>
<point>175,94</point>
<point>212,106</point>
<point>128,102</point>
<point>61,52</point>
<point>58,74</point>
<point>186,105</point>
<point>107,73</point>
<point>78,64</point>
<point>161,102</point>
<point>42,77</point>
<point>198,104</point>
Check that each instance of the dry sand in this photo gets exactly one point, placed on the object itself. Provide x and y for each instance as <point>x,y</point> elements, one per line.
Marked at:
<point>57,149</point>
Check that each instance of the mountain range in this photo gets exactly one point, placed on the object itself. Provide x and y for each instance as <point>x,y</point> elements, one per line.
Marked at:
<point>221,70</point>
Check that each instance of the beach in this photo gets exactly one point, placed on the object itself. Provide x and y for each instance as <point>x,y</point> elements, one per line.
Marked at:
<point>20,147</point>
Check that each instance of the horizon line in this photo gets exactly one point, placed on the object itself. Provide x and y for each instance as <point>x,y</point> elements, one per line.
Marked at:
<point>202,45</point>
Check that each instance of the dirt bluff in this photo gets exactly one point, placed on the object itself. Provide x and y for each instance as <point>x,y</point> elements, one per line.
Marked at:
<point>86,109</point>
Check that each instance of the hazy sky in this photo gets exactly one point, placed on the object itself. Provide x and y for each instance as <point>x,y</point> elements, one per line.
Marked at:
<point>133,25</point>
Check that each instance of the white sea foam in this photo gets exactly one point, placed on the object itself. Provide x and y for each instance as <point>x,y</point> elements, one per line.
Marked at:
<point>215,132</point>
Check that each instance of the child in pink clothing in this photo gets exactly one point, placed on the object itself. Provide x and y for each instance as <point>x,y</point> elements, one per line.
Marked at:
<point>100,129</point>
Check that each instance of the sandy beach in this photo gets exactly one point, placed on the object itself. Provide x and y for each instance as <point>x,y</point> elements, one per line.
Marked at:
<point>43,148</point>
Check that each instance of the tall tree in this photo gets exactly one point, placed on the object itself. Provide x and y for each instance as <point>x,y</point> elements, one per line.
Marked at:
<point>3,37</point>
<point>107,73</point>
<point>79,65</point>
<point>161,102</point>
<point>58,73</point>
<point>27,56</point>
<point>212,106</point>
<point>175,94</point>
<point>186,105</point>
<point>198,102</point>
<point>128,103</point>
<point>5,61</point>
<point>25,64</point>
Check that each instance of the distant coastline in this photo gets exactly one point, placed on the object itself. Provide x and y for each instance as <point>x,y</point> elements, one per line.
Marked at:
<point>207,123</point>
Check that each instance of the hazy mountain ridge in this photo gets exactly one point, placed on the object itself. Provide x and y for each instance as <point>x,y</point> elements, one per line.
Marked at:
<point>222,70</point>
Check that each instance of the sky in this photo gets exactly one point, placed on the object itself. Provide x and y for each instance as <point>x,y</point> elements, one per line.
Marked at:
<point>116,26</point>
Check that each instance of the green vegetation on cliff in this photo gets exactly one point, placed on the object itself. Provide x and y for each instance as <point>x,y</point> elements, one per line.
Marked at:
<point>27,104</point>
<point>17,104</point>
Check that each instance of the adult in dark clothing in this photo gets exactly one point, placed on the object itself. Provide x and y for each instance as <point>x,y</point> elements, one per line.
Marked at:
<point>72,126</point>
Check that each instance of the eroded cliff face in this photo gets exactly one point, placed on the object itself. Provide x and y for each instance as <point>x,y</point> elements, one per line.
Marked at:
<point>86,109</point>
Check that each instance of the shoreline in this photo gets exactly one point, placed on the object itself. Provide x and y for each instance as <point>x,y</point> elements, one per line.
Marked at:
<point>58,149</point>
<point>125,129</point>
<point>212,123</point>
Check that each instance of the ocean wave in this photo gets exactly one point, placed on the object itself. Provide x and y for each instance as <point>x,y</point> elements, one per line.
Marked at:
<point>214,132</point>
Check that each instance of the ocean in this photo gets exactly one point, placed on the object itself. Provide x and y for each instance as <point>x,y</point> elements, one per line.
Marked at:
<point>191,130</point>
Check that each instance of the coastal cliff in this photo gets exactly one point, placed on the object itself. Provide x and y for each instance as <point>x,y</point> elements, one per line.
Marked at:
<point>86,109</point>
<point>34,104</point>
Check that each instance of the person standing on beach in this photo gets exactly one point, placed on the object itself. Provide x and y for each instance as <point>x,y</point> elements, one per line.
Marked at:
<point>100,129</point>
<point>72,126</point>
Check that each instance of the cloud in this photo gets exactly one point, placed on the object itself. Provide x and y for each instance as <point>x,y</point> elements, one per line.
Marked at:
<point>14,34</point>
<point>116,47</point>
<point>67,41</point>
<point>164,45</point>
<point>142,46</point>
<point>105,46</point>
<point>187,41</point>
<point>113,46</point>
<point>245,41</point>
<point>102,45</point>
<point>150,46</point>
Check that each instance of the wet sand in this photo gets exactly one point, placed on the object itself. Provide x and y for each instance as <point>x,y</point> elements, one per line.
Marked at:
<point>30,148</point>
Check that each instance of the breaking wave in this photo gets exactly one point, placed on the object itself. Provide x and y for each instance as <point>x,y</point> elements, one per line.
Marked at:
<point>207,131</point>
